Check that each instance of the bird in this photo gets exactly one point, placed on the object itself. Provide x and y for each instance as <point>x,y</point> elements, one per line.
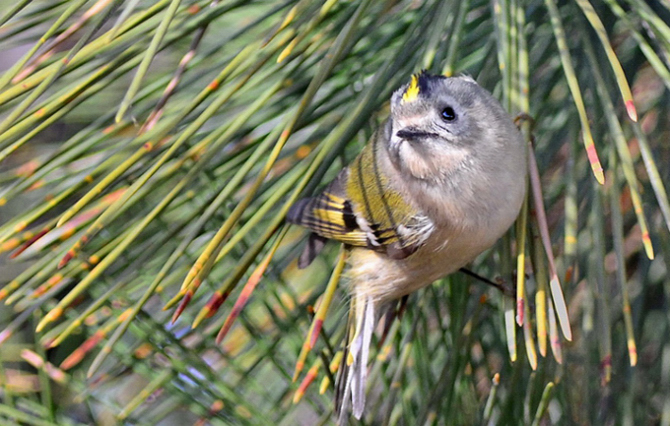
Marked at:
<point>440,181</point>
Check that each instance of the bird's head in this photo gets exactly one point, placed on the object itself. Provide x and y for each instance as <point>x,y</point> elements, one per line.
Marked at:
<point>439,124</point>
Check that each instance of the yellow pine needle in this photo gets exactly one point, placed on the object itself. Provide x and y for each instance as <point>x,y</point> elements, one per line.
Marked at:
<point>215,248</point>
<point>112,210</point>
<point>246,292</point>
<point>202,314</point>
<point>208,257</point>
<point>112,256</point>
<point>490,401</point>
<point>630,336</point>
<point>44,85</point>
<point>327,5</point>
<point>196,268</point>
<point>621,80</point>
<point>541,280</point>
<point>571,210</point>
<point>74,324</point>
<point>269,205</point>
<point>334,365</point>
<point>9,288</point>
<point>646,239</point>
<point>206,260</point>
<point>287,50</point>
<point>174,300</point>
<point>304,351</point>
<point>541,318</point>
<point>624,154</point>
<point>540,214</point>
<point>544,403</point>
<point>323,386</point>
<point>39,267</point>
<point>540,269</point>
<point>512,58</point>
<point>328,294</point>
<point>309,378</point>
<point>522,227</point>
<point>510,328</point>
<point>590,147</point>
<point>66,232</point>
<point>305,31</point>
<point>12,243</point>
<point>624,17</point>
<point>36,213</point>
<point>321,312</point>
<point>70,270</point>
<point>87,51</point>
<point>573,84</point>
<point>245,262</point>
<point>637,207</point>
<point>523,62</point>
<point>103,184</point>
<point>107,348</point>
<point>290,16</point>
<point>628,320</point>
<point>51,316</point>
<point>529,340</point>
<point>55,111</point>
<point>554,339</point>
<point>77,355</point>
<point>618,240</point>
<point>39,291</point>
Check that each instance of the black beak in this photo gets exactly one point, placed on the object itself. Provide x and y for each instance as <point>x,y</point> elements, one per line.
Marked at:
<point>411,134</point>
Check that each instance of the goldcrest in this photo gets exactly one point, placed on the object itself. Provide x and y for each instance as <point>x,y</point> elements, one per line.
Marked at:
<point>440,182</point>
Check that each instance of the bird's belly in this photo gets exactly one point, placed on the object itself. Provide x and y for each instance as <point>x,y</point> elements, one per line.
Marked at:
<point>382,278</point>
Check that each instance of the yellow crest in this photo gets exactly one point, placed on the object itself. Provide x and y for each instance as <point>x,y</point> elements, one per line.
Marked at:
<point>412,91</point>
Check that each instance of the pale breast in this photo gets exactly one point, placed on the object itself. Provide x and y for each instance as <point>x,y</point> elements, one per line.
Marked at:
<point>382,278</point>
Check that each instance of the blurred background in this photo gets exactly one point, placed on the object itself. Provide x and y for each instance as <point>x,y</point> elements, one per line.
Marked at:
<point>150,149</point>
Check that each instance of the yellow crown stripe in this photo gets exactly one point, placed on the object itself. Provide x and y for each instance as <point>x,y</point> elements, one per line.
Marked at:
<point>412,91</point>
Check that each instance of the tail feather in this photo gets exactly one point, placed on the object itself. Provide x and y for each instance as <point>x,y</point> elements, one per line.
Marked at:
<point>344,404</point>
<point>359,371</point>
<point>359,350</point>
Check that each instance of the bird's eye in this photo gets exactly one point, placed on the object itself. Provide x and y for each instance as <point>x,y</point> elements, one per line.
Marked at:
<point>448,114</point>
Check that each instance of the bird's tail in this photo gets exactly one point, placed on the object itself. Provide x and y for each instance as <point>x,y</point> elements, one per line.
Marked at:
<point>354,372</point>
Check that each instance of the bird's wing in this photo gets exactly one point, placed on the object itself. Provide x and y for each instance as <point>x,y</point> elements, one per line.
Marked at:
<point>330,215</point>
<point>360,208</point>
